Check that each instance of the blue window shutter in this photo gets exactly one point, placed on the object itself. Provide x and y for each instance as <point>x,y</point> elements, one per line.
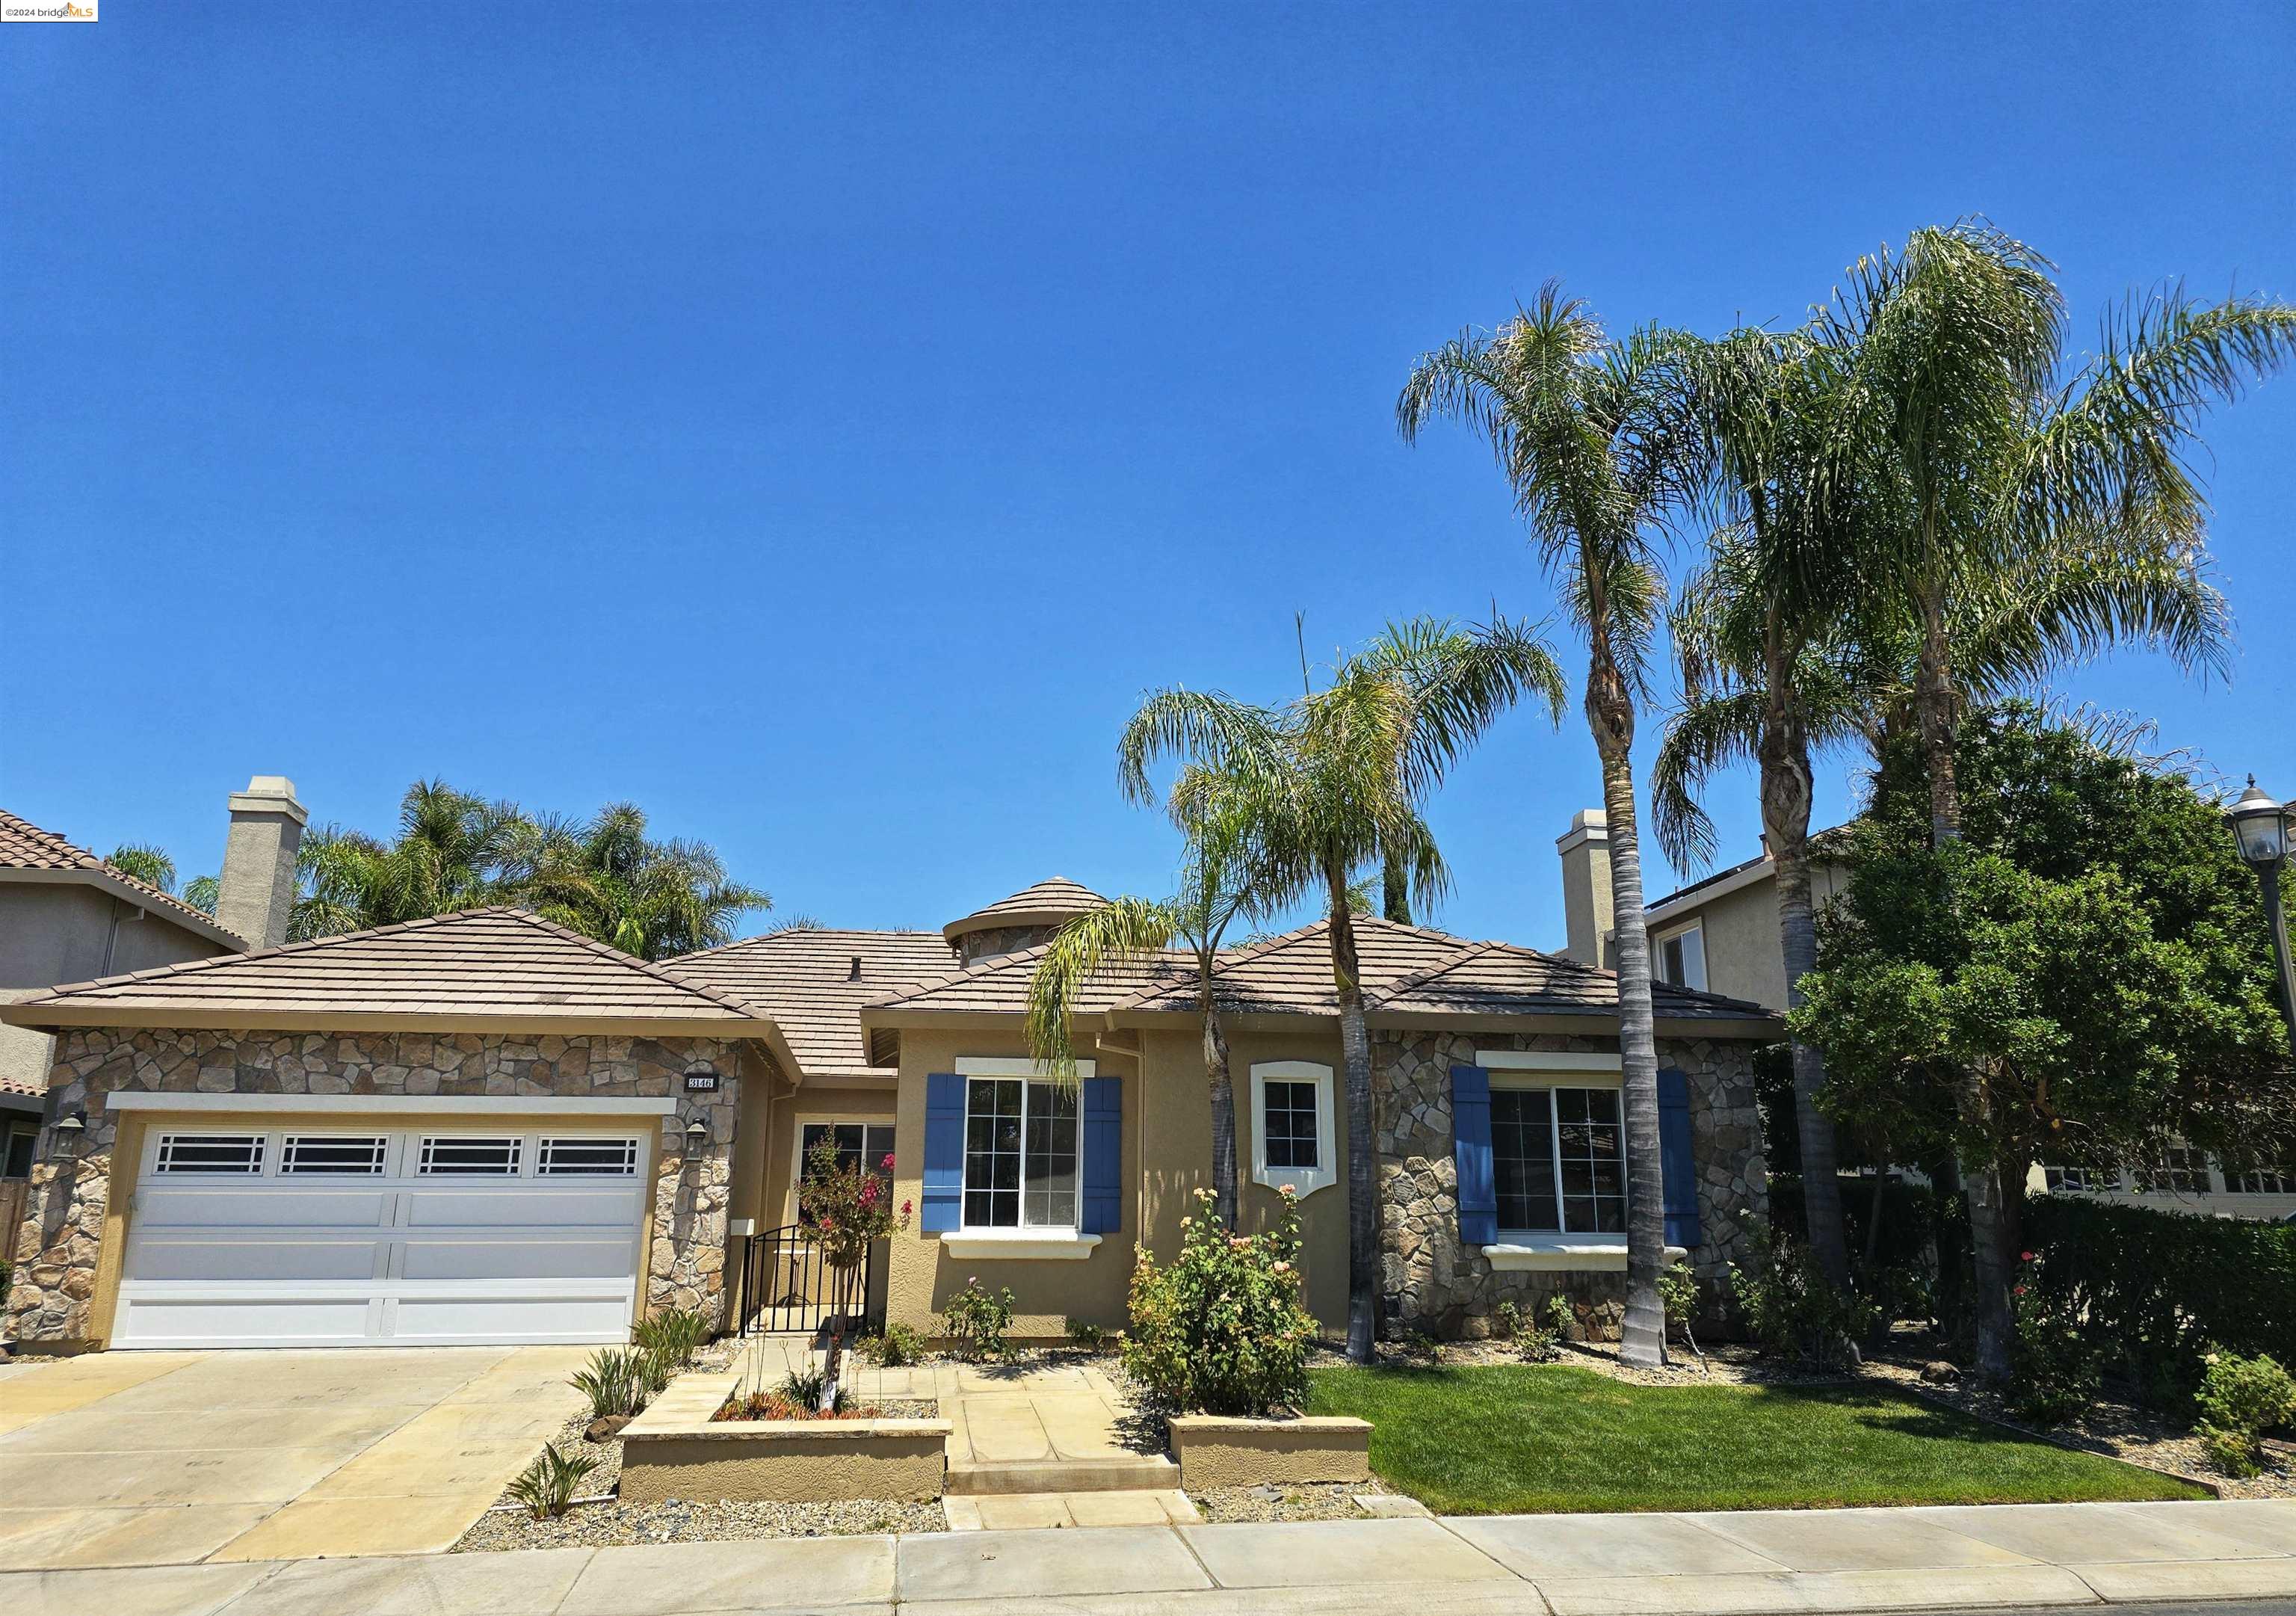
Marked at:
<point>1471,1146</point>
<point>1100,1210</point>
<point>944,1207</point>
<point>1679,1166</point>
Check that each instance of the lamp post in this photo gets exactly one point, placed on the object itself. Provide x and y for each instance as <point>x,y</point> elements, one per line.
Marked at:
<point>2262,829</point>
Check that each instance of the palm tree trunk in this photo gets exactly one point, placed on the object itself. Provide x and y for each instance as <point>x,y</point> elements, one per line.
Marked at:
<point>1934,702</point>
<point>1223,1097</point>
<point>1786,792</point>
<point>1355,1054</point>
<point>1611,715</point>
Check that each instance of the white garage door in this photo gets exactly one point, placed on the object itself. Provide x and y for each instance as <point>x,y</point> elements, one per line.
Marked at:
<point>312,1237</point>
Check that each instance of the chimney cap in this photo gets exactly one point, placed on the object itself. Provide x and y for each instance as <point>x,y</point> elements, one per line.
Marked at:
<point>270,794</point>
<point>1587,824</point>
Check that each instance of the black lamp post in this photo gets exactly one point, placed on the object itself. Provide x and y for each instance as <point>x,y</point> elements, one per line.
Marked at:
<point>2262,829</point>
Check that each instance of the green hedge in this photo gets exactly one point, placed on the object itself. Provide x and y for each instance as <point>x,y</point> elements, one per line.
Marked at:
<point>2159,1287</point>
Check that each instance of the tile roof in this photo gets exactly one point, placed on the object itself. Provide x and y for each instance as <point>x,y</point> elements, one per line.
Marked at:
<point>1045,902</point>
<point>494,966</point>
<point>813,983</point>
<point>1405,970</point>
<point>25,846</point>
<point>1502,979</point>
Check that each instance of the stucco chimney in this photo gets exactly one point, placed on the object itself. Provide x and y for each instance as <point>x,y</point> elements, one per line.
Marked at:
<point>1585,851</point>
<point>259,861</point>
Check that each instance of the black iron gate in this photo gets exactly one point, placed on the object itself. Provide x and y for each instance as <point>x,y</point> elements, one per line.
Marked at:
<point>788,1284</point>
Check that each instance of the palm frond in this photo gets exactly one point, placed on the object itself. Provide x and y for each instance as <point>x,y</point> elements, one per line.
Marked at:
<point>1124,932</point>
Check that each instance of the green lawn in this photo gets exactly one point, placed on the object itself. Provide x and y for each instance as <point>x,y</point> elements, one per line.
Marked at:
<point>1508,1440</point>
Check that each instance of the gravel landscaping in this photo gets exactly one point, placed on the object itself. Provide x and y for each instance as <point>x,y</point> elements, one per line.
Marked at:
<point>616,1524</point>
<point>1296,1501</point>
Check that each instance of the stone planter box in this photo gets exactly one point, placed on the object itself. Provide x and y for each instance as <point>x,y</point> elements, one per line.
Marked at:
<point>679,1456</point>
<point>1219,1450</point>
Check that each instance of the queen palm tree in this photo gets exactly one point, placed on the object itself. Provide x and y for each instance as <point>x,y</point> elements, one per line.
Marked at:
<point>1598,442</point>
<point>1222,879</point>
<point>1331,784</point>
<point>1999,454</point>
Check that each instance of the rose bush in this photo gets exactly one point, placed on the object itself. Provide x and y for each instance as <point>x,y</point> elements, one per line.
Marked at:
<point>1222,1329</point>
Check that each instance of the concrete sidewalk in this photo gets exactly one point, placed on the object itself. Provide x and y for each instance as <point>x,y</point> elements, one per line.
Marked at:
<point>1573,1565</point>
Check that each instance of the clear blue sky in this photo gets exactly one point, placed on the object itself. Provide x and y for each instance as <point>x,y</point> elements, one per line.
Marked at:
<point>820,423</point>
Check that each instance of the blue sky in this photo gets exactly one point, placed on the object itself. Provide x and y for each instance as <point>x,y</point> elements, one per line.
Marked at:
<point>820,424</point>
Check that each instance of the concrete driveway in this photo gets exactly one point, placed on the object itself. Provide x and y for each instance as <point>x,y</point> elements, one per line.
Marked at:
<point>168,1458</point>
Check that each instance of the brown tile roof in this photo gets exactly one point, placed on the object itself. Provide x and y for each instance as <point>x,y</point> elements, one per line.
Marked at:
<point>25,846</point>
<point>810,983</point>
<point>1406,970</point>
<point>1502,978</point>
<point>481,967</point>
<point>1043,903</point>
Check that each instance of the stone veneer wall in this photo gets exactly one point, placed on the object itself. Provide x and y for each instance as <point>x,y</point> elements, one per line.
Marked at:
<point>1429,1281</point>
<point>57,1246</point>
<point>973,947</point>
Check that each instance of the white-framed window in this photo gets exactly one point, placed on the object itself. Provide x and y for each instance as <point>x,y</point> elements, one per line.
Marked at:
<point>864,1145</point>
<point>1020,1154</point>
<point>1679,957</point>
<point>2079,1180</point>
<point>470,1155</point>
<point>16,1157</point>
<point>1559,1157</point>
<point>2181,1171</point>
<point>2263,1181</point>
<point>587,1156</point>
<point>1292,1126</point>
<point>235,1154</point>
<point>345,1155</point>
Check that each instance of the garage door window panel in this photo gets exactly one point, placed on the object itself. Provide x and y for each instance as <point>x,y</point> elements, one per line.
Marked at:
<point>341,1155</point>
<point>232,1155</point>
<point>589,1157</point>
<point>470,1156</point>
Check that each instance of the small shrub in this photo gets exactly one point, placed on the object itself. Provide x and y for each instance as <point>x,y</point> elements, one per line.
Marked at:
<point>1086,1335</point>
<point>1677,1292</point>
<point>1222,1329</point>
<point>1537,1344</point>
<point>899,1344</point>
<point>547,1486</point>
<point>802,1388</point>
<point>673,1336</point>
<point>1562,1318</point>
<point>1791,1311</point>
<point>1506,1321</point>
<point>618,1381</point>
<point>1418,1344</point>
<point>2239,1399</point>
<point>976,1320</point>
<point>2056,1370</point>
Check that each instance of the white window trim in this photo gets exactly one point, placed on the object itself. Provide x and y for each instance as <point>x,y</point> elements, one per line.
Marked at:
<point>1301,1181</point>
<point>360,1105</point>
<point>1596,1069</point>
<point>1659,939</point>
<point>823,1118</point>
<point>1521,1249</point>
<point>1014,1066</point>
<point>1019,1245</point>
<point>995,1240</point>
<point>1583,1253</point>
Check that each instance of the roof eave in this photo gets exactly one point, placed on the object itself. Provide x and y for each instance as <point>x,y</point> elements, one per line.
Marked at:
<point>204,1018</point>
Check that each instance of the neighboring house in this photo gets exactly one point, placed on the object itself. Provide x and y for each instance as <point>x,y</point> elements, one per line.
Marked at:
<point>486,1129</point>
<point>67,915</point>
<point>1720,934</point>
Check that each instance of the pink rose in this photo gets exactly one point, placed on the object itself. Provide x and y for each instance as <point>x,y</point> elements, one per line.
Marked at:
<point>886,1164</point>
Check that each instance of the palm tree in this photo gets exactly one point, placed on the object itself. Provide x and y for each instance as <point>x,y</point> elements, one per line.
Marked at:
<point>1999,455</point>
<point>148,864</point>
<point>1331,783</point>
<point>1222,880</point>
<point>1596,441</point>
<point>607,879</point>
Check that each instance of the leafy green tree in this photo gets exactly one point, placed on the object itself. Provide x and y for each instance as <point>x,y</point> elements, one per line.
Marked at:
<point>147,864</point>
<point>1997,453</point>
<point>2089,947</point>
<point>1329,786</point>
<point>1599,443</point>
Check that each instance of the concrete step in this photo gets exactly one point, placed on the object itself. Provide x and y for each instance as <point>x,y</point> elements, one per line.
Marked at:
<point>1023,1512</point>
<point>1128,1472</point>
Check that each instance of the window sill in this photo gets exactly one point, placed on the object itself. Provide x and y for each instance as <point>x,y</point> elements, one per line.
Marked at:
<point>1550,1253</point>
<point>1019,1245</point>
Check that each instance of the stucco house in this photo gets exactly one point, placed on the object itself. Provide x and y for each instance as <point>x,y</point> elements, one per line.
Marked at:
<point>1720,934</point>
<point>68,916</point>
<point>483,1127</point>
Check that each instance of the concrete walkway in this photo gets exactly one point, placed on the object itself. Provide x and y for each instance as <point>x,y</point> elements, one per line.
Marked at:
<point>1523,1565</point>
<point>143,1458</point>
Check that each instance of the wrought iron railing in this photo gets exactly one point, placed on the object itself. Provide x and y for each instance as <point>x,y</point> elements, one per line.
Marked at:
<point>789,1284</point>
